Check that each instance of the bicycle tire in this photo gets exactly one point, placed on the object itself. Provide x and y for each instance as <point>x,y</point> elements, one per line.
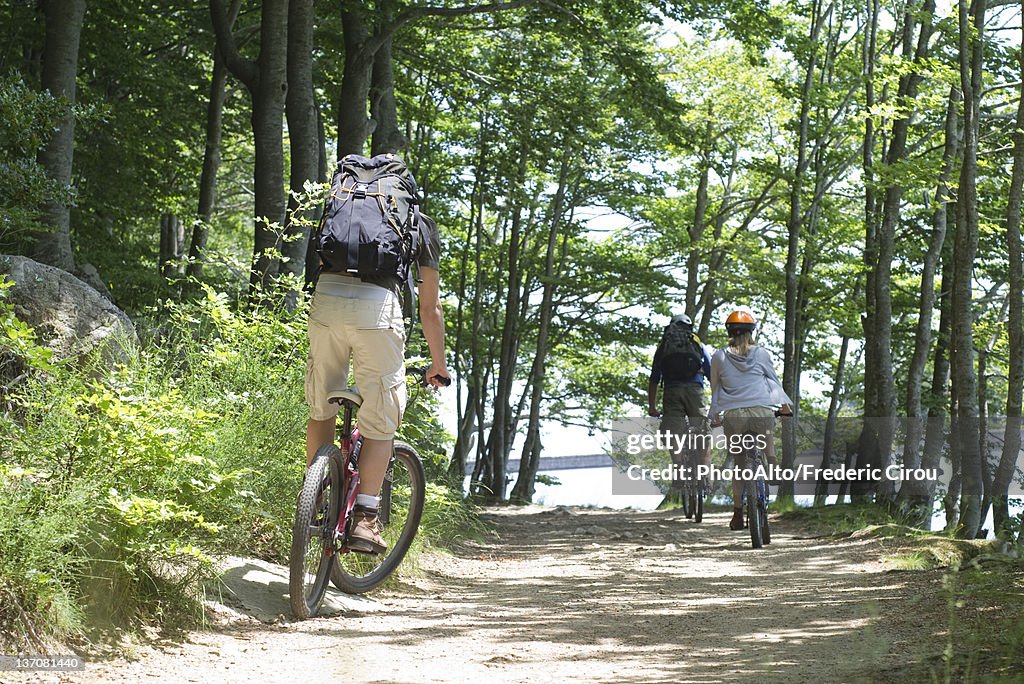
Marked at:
<point>753,514</point>
<point>698,514</point>
<point>401,508</point>
<point>766,535</point>
<point>316,517</point>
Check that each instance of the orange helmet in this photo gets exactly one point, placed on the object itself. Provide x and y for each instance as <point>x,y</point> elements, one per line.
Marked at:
<point>740,321</point>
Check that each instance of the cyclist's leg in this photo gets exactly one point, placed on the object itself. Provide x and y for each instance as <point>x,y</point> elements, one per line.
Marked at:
<point>378,348</point>
<point>326,368</point>
<point>697,415</point>
<point>733,426</point>
<point>673,425</point>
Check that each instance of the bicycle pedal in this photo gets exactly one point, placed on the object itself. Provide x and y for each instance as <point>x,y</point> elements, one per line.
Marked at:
<point>365,547</point>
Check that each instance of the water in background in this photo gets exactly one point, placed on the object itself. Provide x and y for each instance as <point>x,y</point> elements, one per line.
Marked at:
<point>593,487</point>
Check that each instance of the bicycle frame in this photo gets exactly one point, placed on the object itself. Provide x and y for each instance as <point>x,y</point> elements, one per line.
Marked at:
<point>349,442</point>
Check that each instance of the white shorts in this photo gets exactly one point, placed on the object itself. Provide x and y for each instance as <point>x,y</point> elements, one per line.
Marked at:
<point>349,318</point>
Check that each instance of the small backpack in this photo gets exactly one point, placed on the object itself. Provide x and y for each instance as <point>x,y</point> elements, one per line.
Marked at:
<point>370,224</point>
<point>682,355</point>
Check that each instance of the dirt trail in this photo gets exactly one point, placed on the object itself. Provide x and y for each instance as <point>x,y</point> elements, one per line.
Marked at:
<point>597,596</point>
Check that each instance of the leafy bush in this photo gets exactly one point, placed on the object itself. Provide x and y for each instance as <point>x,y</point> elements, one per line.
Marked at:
<point>119,487</point>
<point>27,119</point>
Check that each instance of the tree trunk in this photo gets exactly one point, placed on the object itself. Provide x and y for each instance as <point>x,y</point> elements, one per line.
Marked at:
<point>303,138</point>
<point>965,381</point>
<point>266,80</point>
<point>821,488</point>
<point>312,258</point>
<point>60,68</point>
<point>383,107</point>
<point>1015,331</point>
<point>353,122</point>
<point>913,490</point>
<point>791,333</point>
<point>935,428</point>
<point>884,407</point>
<point>694,257</point>
<point>870,209</point>
<point>172,243</point>
<point>530,461</point>
<point>211,163</point>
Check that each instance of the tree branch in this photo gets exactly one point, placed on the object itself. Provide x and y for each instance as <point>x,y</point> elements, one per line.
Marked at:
<point>413,13</point>
<point>245,70</point>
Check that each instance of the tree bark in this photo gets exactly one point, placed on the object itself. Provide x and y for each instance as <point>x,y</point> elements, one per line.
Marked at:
<point>1015,330</point>
<point>791,332</point>
<point>499,444</point>
<point>211,162</point>
<point>303,138</point>
<point>912,490</point>
<point>60,69</point>
<point>383,107</point>
<point>965,381</point>
<point>530,461</point>
<point>353,122</point>
<point>266,80</point>
<point>172,242</point>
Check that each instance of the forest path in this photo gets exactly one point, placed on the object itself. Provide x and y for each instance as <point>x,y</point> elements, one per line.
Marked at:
<point>595,596</point>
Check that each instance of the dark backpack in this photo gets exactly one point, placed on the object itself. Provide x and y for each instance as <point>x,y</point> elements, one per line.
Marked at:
<point>682,355</point>
<point>370,224</point>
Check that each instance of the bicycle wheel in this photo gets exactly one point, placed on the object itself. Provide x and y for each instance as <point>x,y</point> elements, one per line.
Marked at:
<point>316,516</point>
<point>401,506</point>
<point>753,513</point>
<point>698,505</point>
<point>766,535</point>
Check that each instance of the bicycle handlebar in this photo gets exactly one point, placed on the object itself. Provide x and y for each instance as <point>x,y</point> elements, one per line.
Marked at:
<point>420,372</point>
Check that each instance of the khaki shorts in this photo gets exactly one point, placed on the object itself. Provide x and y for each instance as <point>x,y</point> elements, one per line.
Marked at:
<point>363,322</point>
<point>757,420</point>
<point>679,403</point>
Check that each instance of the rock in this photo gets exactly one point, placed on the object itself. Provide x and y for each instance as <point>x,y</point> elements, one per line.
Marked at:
<point>259,590</point>
<point>68,315</point>
<point>91,277</point>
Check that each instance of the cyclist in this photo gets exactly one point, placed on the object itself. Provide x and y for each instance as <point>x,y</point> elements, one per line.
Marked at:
<point>363,320</point>
<point>745,388</point>
<point>681,363</point>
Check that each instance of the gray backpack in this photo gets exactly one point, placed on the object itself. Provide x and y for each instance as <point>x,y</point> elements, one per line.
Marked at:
<point>370,224</point>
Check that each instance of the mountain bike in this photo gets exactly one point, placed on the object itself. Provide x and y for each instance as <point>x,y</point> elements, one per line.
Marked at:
<point>323,517</point>
<point>755,497</point>
<point>694,487</point>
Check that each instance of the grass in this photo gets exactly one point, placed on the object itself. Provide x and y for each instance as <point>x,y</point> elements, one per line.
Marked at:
<point>973,626</point>
<point>985,625</point>
<point>120,486</point>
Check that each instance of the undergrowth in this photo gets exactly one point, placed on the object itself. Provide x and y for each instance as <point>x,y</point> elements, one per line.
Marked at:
<point>120,486</point>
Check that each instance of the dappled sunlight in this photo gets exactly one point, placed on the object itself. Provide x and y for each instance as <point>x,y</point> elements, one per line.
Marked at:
<point>686,602</point>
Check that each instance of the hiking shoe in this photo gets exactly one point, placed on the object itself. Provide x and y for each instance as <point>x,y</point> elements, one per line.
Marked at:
<point>364,535</point>
<point>737,519</point>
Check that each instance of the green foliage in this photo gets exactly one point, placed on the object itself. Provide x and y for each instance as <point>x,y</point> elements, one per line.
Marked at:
<point>27,119</point>
<point>120,487</point>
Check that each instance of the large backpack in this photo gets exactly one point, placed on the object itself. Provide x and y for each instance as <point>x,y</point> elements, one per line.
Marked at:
<point>682,355</point>
<point>370,224</point>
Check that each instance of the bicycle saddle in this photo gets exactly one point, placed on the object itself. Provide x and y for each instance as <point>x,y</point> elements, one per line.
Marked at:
<point>348,394</point>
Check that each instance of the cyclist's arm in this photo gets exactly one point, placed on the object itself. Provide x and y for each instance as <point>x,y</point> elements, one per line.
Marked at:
<point>713,379</point>
<point>652,385</point>
<point>432,320</point>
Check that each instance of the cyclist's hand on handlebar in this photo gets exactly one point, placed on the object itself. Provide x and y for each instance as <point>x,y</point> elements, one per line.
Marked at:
<point>437,375</point>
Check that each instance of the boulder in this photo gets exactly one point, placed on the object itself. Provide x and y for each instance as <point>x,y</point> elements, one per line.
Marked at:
<point>69,316</point>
